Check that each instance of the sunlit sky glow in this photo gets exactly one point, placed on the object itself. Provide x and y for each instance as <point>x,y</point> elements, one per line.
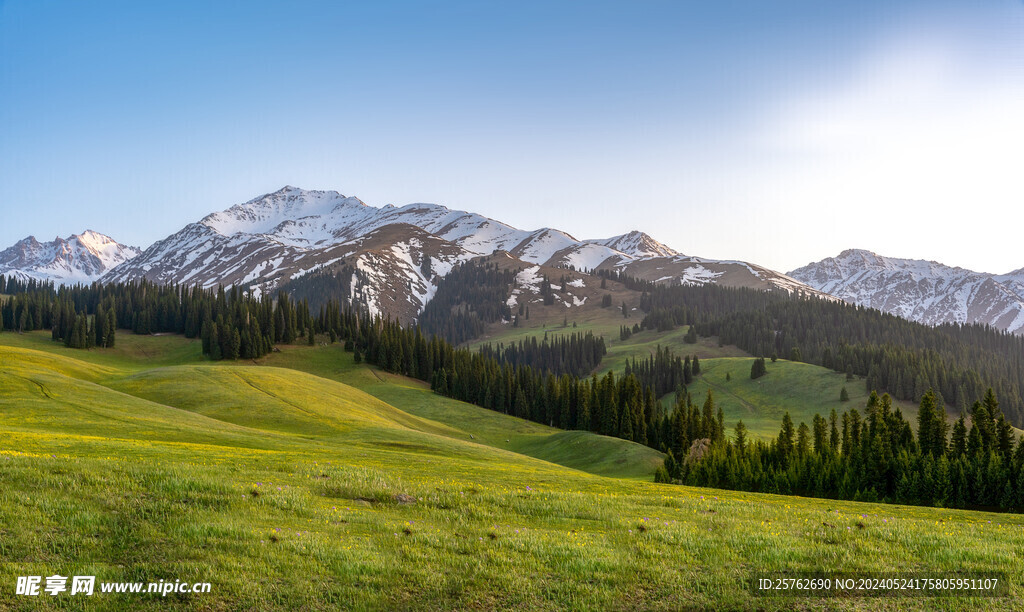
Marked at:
<point>773,132</point>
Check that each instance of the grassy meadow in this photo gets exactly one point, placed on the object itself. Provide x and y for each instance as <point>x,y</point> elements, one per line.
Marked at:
<point>306,481</point>
<point>801,389</point>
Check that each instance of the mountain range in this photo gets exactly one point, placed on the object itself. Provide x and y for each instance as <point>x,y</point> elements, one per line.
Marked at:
<point>399,255</point>
<point>79,258</point>
<point>924,291</point>
<point>281,236</point>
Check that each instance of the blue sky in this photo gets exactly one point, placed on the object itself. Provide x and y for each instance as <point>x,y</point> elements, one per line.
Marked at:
<point>773,132</point>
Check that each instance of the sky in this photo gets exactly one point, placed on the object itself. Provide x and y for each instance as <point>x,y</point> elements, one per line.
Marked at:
<point>778,133</point>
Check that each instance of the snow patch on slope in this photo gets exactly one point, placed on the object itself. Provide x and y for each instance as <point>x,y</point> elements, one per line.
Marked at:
<point>527,280</point>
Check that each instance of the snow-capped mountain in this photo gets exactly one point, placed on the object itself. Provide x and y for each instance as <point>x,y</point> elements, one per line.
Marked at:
<point>637,244</point>
<point>268,240</point>
<point>701,271</point>
<point>79,258</point>
<point>924,291</point>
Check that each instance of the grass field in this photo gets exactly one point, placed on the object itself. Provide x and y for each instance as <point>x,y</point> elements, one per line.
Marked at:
<point>642,344</point>
<point>307,482</point>
<point>801,389</point>
<point>606,322</point>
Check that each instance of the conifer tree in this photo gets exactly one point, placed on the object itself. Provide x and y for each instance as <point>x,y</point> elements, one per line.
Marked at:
<point>100,326</point>
<point>785,439</point>
<point>691,335</point>
<point>803,441</point>
<point>741,437</point>
<point>833,438</point>
<point>958,443</point>
<point>111,327</point>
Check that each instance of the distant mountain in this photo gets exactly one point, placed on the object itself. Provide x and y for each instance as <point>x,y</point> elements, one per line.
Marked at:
<point>924,291</point>
<point>267,241</point>
<point>702,271</point>
<point>79,258</point>
<point>637,244</point>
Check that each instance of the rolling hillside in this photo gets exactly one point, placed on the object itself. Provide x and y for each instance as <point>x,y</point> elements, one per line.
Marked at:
<point>801,389</point>
<point>290,489</point>
<point>277,399</point>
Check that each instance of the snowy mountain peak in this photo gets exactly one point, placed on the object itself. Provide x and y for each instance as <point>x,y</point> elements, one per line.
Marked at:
<point>267,213</point>
<point>79,258</point>
<point>262,243</point>
<point>637,244</point>
<point>925,291</point>
<point>857,253</point>
<point>860,259</point>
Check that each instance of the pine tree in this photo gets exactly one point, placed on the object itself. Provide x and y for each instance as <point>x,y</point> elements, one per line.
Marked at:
<point>741,437</point>
<point>691,335</point>
<point>820,426</point>
<point>958,443</point>
<point>803,441</point>
<point>100,325</point>
<point>216,352</point>
<point>926,421</point>
<point>1004,438</point>
<point>785,440</point>
<point>235,345</point>
<point>844,395</point>
<point>111,328</point>
<point>833,438</point>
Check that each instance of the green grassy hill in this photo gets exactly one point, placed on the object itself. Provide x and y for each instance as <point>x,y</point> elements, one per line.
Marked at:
<point>308,482</point>
<point>799,388</point>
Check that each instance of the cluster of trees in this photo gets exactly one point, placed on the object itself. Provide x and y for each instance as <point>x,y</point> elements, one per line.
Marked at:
<point>247,327</point>
<point>28,310</point>
<point>626,332</point>
<point>575,354</point>
<point>231,324</point>
<point>610,405</point>
<point>78,323</point>
<point>876,457</point>
<point>630,282</point>
<point>664,371</point>
<point>78,330</point>
<point>469,297</point>
<point>688,425</point>
<point>902,357</point>
<point>10,285</point>
<point>319,287</point>
<point>546,293</point>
